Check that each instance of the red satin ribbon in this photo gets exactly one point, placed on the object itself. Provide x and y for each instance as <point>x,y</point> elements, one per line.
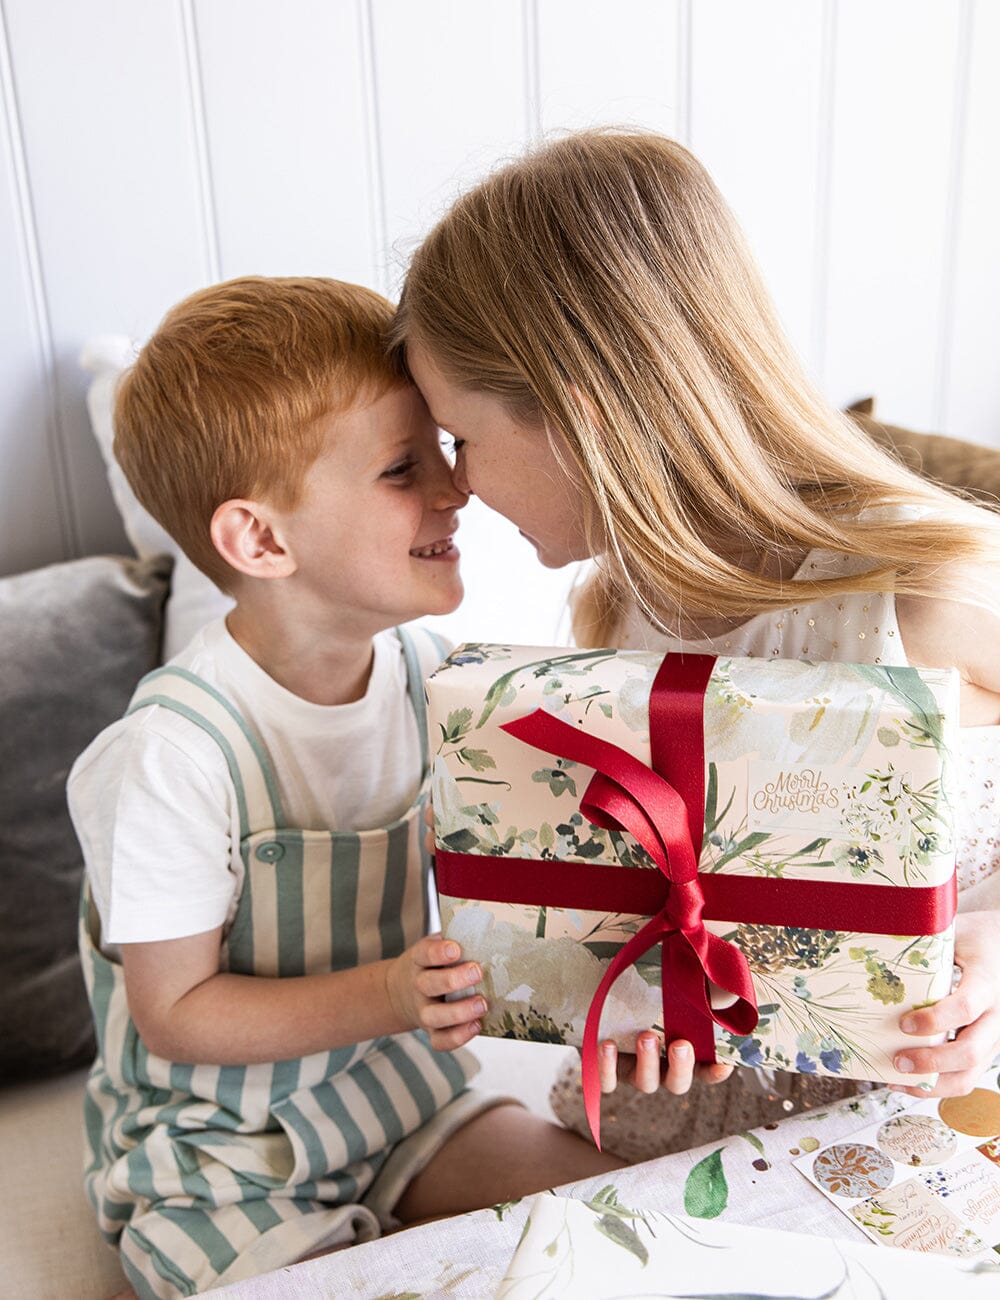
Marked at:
<point>753,900</point>
<point>664,810</point>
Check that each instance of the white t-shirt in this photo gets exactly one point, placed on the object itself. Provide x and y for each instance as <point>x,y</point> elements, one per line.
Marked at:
<point>155,808</point>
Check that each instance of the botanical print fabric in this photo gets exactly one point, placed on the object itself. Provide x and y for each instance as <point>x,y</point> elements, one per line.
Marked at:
<point>596,1249</point>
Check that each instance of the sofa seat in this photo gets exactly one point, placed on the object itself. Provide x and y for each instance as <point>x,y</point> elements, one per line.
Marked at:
<point>46,1216</point>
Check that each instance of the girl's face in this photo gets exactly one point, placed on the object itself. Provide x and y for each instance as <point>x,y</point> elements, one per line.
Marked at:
<point>511,467</point>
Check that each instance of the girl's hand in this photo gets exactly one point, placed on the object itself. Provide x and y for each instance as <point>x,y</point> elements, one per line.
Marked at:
<point>429,844</point>
<point>647,1070</point>
<point>973,1010</point>
<point>417,981</point>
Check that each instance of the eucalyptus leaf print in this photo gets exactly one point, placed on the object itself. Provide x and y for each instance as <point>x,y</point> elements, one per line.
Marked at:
<point>567,665</point>
<point>911,690</point>
<point>706,1192</point>
<point>615,1222</point>
<point>557,778</point>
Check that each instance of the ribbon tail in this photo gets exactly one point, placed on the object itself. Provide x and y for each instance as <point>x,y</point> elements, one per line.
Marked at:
<point>686,1015</point>
<point>650,935</point>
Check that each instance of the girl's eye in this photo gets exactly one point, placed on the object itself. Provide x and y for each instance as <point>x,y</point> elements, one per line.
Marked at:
<point>401,470</point>
<point>454,445</point>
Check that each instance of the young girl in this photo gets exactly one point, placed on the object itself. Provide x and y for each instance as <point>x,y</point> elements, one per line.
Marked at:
<point>590,327</point>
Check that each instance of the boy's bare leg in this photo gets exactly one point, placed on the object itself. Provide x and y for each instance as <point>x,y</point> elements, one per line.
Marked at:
<point>502,1154</point>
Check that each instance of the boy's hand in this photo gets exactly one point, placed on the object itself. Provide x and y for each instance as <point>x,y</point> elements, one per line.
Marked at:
<point>645,1070</point>
<point>417,981</point>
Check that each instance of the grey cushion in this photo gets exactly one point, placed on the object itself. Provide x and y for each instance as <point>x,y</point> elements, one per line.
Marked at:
<point>74,640</point>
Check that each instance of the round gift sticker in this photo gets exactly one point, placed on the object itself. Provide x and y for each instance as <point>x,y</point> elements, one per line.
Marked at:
<point>917,1140</point>
<point>978,1114</point>
<point>852,1169</point>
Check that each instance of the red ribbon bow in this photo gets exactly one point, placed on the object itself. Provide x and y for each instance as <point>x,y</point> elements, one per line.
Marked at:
<point>625,794</point>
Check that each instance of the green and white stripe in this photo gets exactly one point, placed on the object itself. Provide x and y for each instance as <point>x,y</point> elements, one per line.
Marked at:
<point>201,1171</point>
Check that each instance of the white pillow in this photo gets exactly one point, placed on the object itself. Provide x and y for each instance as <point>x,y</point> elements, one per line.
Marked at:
<point>194,599</point>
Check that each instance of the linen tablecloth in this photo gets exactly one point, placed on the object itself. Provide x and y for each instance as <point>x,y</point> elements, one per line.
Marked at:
<point>748,1179</point>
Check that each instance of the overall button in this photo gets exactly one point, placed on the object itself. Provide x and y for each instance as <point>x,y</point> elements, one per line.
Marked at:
<point>272,851</point>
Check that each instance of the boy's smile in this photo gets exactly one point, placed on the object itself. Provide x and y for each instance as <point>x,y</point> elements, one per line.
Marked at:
<point>372,533</point>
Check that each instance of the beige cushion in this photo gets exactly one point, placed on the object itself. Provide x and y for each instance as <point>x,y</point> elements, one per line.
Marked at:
<point>49,1242</point>
<point>963,465</point>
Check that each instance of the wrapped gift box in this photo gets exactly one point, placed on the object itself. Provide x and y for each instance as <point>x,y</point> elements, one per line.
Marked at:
<point>812,776</point>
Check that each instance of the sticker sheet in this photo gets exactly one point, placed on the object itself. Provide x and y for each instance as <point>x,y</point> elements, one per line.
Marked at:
<point>927,1179</point>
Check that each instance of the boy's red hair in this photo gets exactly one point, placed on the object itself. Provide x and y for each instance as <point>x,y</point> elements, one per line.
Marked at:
<point>226,398</point>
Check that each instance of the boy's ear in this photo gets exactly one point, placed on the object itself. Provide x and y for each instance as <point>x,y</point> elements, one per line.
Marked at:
<point>248,539</point>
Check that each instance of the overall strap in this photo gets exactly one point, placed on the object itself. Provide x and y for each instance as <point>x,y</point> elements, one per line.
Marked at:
<point>415,675</point>
<point>249,766</point>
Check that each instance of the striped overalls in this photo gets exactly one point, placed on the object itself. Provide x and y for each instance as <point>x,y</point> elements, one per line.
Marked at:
<point>204,1174</point>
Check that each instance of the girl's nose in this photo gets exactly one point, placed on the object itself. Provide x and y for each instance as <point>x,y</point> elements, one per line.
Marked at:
<point>459,480</point>
<point>451,492</point>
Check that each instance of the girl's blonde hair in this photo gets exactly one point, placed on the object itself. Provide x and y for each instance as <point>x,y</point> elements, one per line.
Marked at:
<point>601,287</point>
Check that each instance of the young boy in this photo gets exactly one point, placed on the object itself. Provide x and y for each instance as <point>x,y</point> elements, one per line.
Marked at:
<point>254,935</point>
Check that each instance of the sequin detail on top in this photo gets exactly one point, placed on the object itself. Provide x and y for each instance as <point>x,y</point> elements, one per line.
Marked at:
<point>857,628</point>
<point>977,805</point>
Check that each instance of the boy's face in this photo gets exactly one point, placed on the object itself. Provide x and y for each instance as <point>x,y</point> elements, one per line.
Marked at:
<point>372,531</point>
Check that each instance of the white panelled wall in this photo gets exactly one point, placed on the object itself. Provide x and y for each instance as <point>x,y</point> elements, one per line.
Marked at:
<point>153,146</point>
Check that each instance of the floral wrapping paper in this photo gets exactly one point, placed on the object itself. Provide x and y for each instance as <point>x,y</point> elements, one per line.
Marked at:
<point>814,771</point>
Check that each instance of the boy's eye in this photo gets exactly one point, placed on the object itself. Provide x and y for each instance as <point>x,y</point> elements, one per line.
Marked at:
<point>453,445</point>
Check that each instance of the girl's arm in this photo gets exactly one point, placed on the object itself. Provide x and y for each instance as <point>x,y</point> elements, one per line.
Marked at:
<point>946,634</point>
<point>187,1010</point>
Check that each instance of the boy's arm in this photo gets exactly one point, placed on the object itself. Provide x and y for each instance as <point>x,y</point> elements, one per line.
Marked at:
<point>187,1010</point>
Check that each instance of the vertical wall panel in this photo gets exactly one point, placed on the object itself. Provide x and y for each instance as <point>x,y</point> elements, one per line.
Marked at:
<point>755,123</point>
<point>601,63</point>
<point>891,165</point>
<point>451,103</point>
<point>972,391</point>
<point>287,137</point>
<point>106,117</point>
<point>453,100</point>
<point>33,524</point>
